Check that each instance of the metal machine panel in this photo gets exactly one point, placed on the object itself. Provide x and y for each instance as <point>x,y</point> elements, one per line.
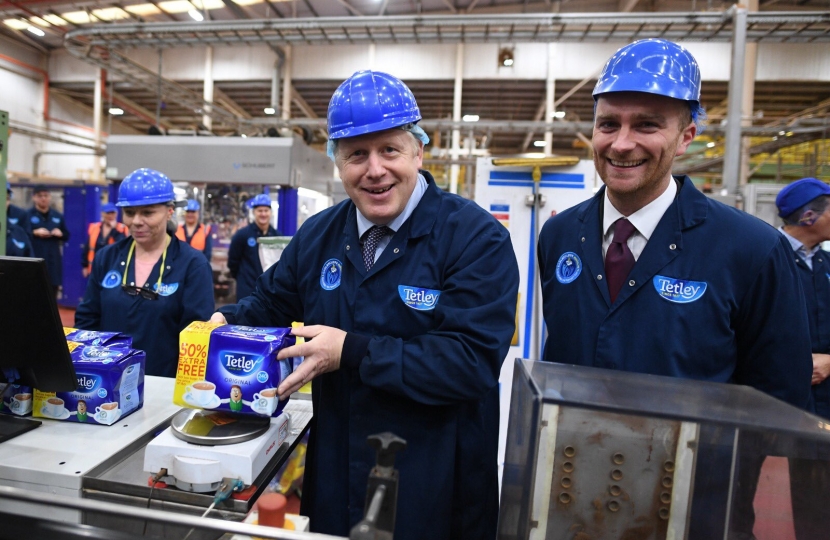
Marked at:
<point>226,160</point>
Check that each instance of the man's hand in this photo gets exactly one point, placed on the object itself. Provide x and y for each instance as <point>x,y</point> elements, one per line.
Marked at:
<point>821,367</point>
<point>42,232</point>
<point>321,351</point>
<point>57,232</point>
<point>218,318</point>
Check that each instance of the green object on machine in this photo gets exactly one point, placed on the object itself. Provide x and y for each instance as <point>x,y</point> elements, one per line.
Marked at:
<point>4,160</point>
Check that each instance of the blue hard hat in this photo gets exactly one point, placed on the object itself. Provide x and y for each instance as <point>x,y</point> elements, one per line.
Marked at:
<point>799,193</point>
<point>192,206</point>
<point>144,187</point>
<point>260,200</point>
<point>653,66</point>
<point>370,101</point>
<point>108,207</point>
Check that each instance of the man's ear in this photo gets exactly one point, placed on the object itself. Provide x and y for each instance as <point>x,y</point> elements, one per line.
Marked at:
<point>808,218</point>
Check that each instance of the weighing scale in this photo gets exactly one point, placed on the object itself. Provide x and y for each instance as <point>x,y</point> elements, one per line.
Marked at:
<point>200,448</point>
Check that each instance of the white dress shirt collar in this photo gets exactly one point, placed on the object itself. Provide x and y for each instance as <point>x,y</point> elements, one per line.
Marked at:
<point>646,218</point>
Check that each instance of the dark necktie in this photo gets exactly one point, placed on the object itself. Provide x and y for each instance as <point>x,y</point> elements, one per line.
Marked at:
<point>373,236</point>
<point>618,259</point>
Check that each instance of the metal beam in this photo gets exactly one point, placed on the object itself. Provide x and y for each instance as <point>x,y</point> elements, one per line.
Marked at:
<point>732,152</point>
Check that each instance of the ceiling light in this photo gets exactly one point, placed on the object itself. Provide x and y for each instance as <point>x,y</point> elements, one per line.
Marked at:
<point>196,16</point>
<point>269,110</point>
<point>40,22</point>
<point>539,144</point>
<point>36,31</point>
<point>506,57</point>
<point>54,19</point>
<point>558,114</point>
<point>789,134</point>
<point>782,133</point>
<point>116,111</point>
<point>710,144</point>
<point>470,118</point>
<point>17,24</point>
<point>76,17</point>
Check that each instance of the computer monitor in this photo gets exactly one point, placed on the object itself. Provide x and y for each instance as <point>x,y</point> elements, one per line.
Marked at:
<point>31,335</point>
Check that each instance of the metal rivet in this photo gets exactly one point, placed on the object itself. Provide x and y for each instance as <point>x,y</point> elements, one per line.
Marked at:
<point>665,497</point>
<point>667,481</point>
<point>348,247</point>
<point>122,263</point>
<point>632,283</point>
<point>569,451</point>
<point>168,268</point>
<point>616,474</point>
<point>614,506</point>
<point>599,277</point>
<point>614,490</point>
<point>566,482</point>
<point>396,250</point>
<point>663,513</point>
<point>132,284</point>
<point>618,458</point>
<point>672,246</point>
<point>583,238</point>
<point>568,466</point>
<point>564,498</point>
<point>668,466</point>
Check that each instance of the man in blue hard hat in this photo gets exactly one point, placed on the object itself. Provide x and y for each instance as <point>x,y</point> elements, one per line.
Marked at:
<point>243,253</point>
<point>408,295</point>
<point>804,205</point>
<point>651,276</point>
<point>102,233</point>
<point>49,232</point>
<point>198,235</point>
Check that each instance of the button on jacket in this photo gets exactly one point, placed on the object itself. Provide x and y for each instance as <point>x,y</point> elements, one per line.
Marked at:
<point>712,297</point>
<point>187,296</point>
<point>243,258</point>
<point>437,315</point>
<point>49,248</point>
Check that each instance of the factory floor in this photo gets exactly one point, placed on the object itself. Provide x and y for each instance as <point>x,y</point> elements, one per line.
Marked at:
<point>772,503</point>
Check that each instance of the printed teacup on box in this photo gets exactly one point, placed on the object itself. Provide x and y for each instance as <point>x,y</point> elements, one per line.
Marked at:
<point>232,368</point>
<point>16,399</point>
<point>110,386</point>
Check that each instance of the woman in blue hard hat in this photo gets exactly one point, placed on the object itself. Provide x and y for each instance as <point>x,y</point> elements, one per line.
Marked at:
<point>408,295</point>
<point>150,285</point>
<point>243,253</point>
<point>196,234</point>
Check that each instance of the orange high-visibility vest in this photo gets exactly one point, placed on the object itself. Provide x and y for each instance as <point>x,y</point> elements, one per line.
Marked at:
<point>93,232</point>
<point>197,241</point>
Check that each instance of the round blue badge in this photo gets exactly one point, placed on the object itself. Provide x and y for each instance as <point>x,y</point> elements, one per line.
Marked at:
<point>262,376</point>
<point>330,275</point>
<point>568,267</point>
<point>252,241</point>
<point>102,393</point>
<point>111,280</point>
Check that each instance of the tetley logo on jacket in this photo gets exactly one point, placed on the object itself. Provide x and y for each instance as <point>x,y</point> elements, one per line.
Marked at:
<point>679,291</point>
<point>418,298</point>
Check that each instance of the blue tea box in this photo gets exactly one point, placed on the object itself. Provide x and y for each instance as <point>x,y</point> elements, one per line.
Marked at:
<point>232,368</point>
<point>110,386</point>
<point>91,337</point>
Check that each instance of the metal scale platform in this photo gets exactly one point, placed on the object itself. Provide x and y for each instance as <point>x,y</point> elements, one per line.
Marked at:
<point>200,448</point>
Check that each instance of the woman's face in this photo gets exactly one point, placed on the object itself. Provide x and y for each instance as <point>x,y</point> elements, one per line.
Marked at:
<point>147,224</point>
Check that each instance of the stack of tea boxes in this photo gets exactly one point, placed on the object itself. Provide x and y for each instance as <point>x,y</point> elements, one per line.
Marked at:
<point>110,377</point>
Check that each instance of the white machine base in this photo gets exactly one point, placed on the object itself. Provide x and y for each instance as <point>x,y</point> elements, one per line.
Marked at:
<point>193,467</point>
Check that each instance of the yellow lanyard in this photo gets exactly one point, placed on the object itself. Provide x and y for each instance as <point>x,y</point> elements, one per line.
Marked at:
<point>161,272</point>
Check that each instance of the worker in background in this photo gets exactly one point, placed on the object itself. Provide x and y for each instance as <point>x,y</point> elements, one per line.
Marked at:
<point>408,295</point>
<point>804,206</point>
<point>103,233</point>
<point>652,276</point>
<point>14,214</point>
<point>18,242</point>
<point>149,285</point>
<point>243,253</point>
<point>194,233</point>
<point>49,232</point>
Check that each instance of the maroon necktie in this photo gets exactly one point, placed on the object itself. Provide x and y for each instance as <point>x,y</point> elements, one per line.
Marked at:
<point>618,259</point>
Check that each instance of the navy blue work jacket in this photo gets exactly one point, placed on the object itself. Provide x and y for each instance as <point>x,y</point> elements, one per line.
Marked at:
<point>437,314</point>
<point>243,258</point>
<point>186,296</point>
<point>713,296</point>
<point>49,248</point>
<point>18,216</point>
<point>18,243</point>
<point>816,284</point>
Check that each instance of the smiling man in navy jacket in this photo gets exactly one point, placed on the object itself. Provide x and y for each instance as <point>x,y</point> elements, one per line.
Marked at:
<point>408,295</point>
<point>650,275</point>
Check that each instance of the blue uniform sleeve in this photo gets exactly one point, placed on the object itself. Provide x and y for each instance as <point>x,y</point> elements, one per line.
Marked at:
<point>208,251</point>
<point>235,252</point>
<point>88,313</point>
<point>774,347</point>
<point>64,230</point>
